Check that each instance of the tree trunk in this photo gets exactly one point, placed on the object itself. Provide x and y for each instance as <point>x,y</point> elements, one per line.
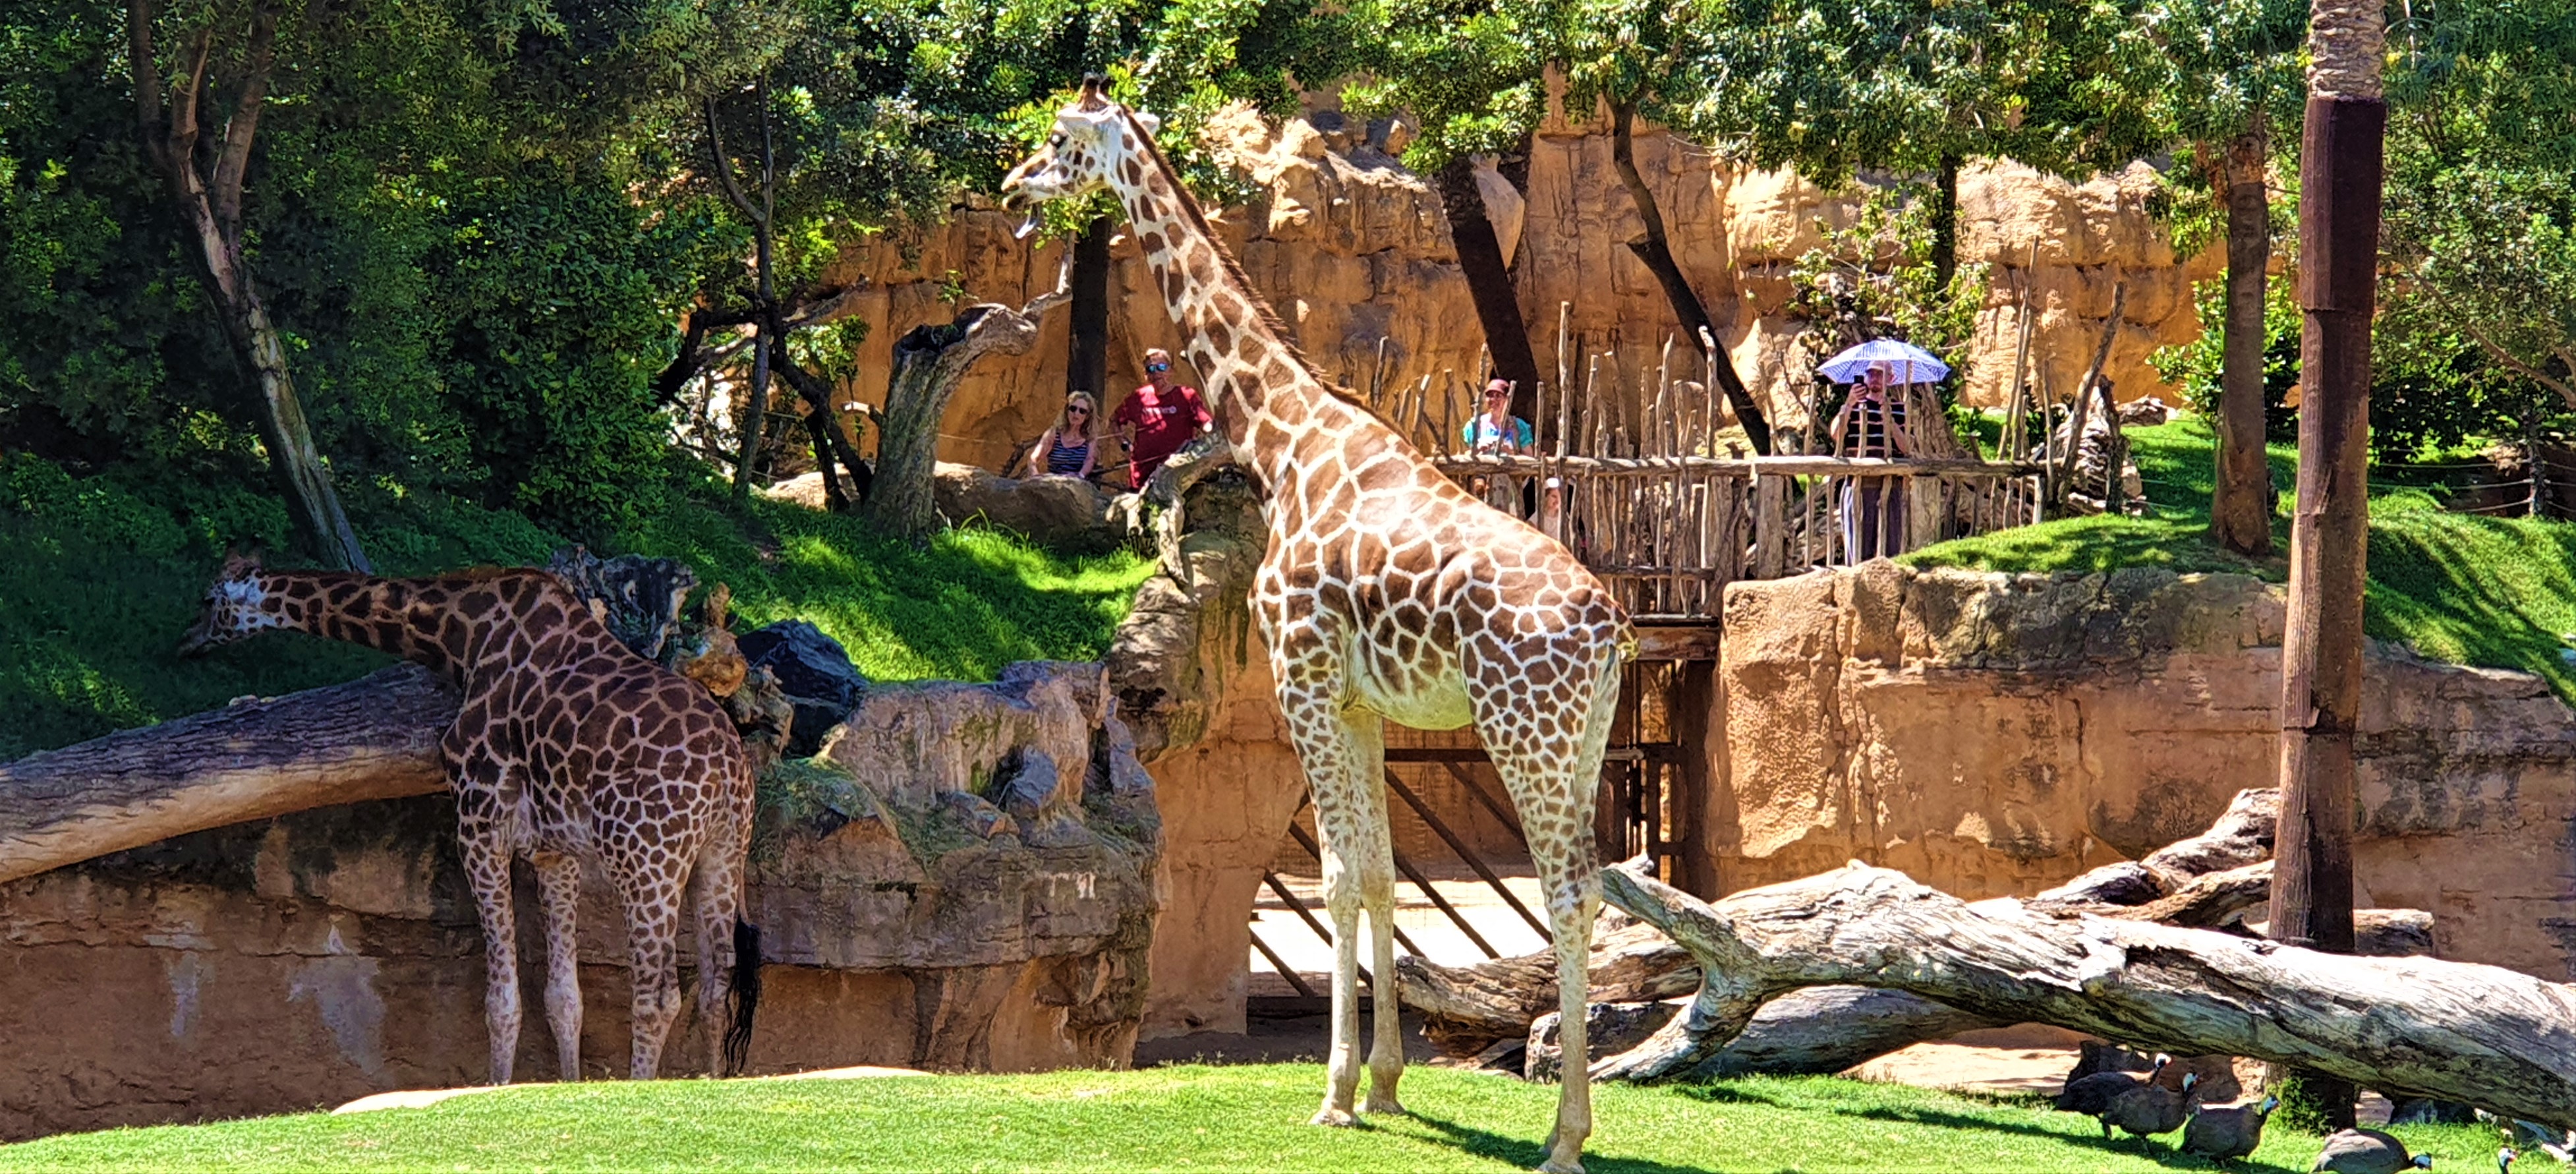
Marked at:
<point>928,364</point>
<point>754,420</point>
<point>2240,508</point>
<point>1087,368</point>
<point>2062,481</point>
<point>822,424</point>
<point>1658,257</point>
<point>1945,223</point>
<point>2340,166</point>
<point>1489,285</point>
<point>2414,1026</point>
<point>372,738</point>
<point>212,212</point>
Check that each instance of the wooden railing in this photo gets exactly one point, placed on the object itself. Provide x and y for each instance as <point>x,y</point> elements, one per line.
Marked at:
<point>1669,533</point>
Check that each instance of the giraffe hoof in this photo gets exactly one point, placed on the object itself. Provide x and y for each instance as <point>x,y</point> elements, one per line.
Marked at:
<point>1390,1106</point>
<point>1337,1118</point>
<point>1552,1166</point>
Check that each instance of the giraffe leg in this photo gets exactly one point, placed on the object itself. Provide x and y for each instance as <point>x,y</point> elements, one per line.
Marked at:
<point>1553,771</point>
<point>559,895</point>
<point>718,891</point>
<point>1365,733</point>
<point>653,924</point>
<point>1573,889</point>
<point>1309,681</point>
<point>483,844</point>
<point>1342,902</point>
<point>487,870</point>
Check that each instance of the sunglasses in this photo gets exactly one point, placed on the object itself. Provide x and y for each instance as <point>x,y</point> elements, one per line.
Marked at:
<point>1158,367</point>
<point>1077,411</point>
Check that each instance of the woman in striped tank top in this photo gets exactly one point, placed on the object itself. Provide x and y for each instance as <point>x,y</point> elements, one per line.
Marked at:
<point>1066,450</point>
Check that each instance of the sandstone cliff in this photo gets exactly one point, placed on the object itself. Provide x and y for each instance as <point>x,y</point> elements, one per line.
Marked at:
<point>1998,734</point>
<point>1352,249</point>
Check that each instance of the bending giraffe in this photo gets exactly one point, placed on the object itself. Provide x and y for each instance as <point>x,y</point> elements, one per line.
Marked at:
<point>1388,592</point>
<point>566,746</point>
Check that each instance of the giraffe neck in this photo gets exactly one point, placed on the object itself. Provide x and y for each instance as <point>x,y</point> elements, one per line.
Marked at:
<point>1254,375</point>
<point>444,623</point>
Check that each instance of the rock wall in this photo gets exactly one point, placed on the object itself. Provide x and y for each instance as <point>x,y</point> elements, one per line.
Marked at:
<point>967,879</point>
<point>1996,734</point>
<point>1190,675</point>
<point>1351,249</point>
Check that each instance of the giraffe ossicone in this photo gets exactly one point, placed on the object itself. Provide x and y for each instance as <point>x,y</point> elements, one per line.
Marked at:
<point>567,746</point>
<point>1388,593</point>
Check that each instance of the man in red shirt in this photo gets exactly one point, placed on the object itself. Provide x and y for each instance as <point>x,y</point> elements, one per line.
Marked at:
<point>1155,420</point>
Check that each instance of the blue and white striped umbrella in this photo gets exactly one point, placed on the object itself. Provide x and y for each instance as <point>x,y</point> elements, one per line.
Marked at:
<point>1907,362</point>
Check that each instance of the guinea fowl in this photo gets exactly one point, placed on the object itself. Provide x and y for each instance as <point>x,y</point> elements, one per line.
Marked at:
<point>2368,1151</point>
<point>2225,1134</point>
<point>2504,1160</point>
<point>2152,1108</point>
<point>2092,1094</point>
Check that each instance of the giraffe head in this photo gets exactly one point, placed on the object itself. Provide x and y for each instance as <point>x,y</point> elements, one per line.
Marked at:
<point>240,604</point>
<point>1089,148</point>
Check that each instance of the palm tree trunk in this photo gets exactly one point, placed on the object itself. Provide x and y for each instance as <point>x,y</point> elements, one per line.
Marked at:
<point>2340,167</point>
<point>2240,508</point>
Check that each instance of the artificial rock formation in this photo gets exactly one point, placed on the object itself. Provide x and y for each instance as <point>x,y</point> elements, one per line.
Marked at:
<point>1993,735</point>
<point>965,879</point>
<point>1352,248</point>
<point>1192,681</point>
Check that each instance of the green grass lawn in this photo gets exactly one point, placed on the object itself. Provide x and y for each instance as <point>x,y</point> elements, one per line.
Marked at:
<point>1194,1118</point>
<point>98,576</point>
<point>2462,588</point>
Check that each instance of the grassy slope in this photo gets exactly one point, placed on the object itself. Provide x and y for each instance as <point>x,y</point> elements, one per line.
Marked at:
<point>1240,1118</point>
<point>98,578</point>
<point>2455,587</point>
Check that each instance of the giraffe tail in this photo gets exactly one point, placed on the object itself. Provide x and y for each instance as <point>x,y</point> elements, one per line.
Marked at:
<point>743,999</point>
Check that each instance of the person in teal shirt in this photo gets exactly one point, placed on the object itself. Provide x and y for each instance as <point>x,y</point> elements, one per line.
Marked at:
<point>1495,431</point>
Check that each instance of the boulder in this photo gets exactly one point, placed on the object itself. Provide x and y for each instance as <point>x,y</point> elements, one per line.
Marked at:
<point>1059,513</point>
<point>813,673</point>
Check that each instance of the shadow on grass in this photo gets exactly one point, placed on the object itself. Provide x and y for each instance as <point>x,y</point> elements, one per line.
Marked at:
<point>2161,1153</point>
<point>1484,1143</point>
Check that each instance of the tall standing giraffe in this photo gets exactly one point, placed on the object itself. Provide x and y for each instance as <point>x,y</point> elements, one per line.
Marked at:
<point>566,746</point>
<point>1387,592</point>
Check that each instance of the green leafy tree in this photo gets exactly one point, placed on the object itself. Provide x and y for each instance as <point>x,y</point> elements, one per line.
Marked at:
<point>2481,210</point>
<point>389,139</point>
<point>1473,79</point>
<point>1632,57</point>
<point>1920,87</point>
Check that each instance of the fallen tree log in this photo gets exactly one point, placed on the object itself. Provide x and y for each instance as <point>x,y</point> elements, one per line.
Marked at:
<point>372,738</point>
<point>2482,1035</point>
<point>2208,881</point>
<point>1465,1008</point>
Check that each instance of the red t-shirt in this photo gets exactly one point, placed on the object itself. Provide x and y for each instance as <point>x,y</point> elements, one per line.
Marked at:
<point>1164,421</point>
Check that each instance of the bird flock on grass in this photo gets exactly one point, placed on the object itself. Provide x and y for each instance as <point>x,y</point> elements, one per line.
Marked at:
<point>2138,1104</point>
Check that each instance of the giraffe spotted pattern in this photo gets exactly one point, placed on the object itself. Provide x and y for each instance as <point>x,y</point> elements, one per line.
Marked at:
<point>567,747</point>
<point>1387,593</point>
